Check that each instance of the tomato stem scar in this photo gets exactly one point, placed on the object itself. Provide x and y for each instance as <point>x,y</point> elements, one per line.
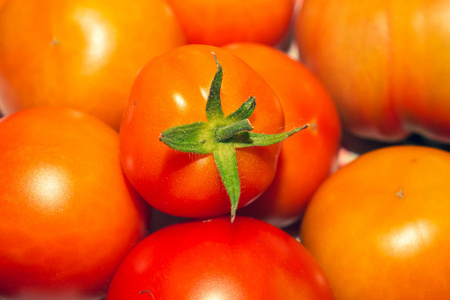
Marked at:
<point>146,291</point>
<point>55,42</point>
<point>220,136</point>
<point>400,194</point>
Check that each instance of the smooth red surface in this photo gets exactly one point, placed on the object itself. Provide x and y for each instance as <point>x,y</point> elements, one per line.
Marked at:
<point>385,64</point>
<point>68,216</point>
<point>214,259</point>
<point>306,158</point>
<point>220,22</point>
<point>379,226</point>
<point>172,90</point>
<point>80,54</point>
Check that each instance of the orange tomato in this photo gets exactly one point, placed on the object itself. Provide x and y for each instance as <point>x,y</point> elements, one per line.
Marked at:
<point>379,226</point>
<point>68,216</point>
<point>306,159</point>
<point>385,64</point>
<point>220,22</point>
<point>80,54</point>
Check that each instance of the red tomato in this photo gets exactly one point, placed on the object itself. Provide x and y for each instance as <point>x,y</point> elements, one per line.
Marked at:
<point>80,54</point>
<point>68,216</point>
<point>172,90</point>
<point>306,159</point>
<point>379,226</point>
<point>385,64</point>
<point>220,22</point>
<point>216,259</point>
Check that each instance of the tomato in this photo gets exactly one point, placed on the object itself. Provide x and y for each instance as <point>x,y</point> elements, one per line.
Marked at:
<point>305,159</point>
<point>172,90</point>
<point>216,259</point>
<point>225,21</point>
<point>385,64</point>
<point>68,216</point>
<point>379,226</point>
<point>80,54</point>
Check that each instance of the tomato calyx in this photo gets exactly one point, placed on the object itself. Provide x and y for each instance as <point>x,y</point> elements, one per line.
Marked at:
<point>221,135</point>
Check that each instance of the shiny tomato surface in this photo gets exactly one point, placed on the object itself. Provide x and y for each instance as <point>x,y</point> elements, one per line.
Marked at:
<point>216,259</point>
<point>68,216</point>
<point>385,64</point>
<point>172,90</point>
<point>307,158</point>
<point>80,54</point>
<point>220,22</point>
<point>379,226</point>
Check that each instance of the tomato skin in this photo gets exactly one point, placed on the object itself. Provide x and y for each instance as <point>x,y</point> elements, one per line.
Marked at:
<point>80,54</point>
<point>221,22</point>
<point>384,63</point>
<point>379,226</point>
<point>68,215</point>
<point>247,259</point>
<point>172,90</point>
<point>306,159</point>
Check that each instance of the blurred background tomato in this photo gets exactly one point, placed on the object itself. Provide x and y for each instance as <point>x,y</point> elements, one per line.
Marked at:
<point>80,54</point>
<point>385,64</point>
<point>220,22</point>
<point>306,158</point>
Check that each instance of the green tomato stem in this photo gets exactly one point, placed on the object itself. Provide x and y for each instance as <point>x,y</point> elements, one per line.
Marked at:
<point>226,132</point>
<point>221,135</point>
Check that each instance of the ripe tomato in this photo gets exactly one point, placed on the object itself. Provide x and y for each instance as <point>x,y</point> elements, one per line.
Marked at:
<point>172,90</point>
<point>68,216</point>
<point>220,22</point>
<point>305,159</point>
<point>80,54</point>
<point>379,226</point>
<point>385,64</point>
<point>216,259</point>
